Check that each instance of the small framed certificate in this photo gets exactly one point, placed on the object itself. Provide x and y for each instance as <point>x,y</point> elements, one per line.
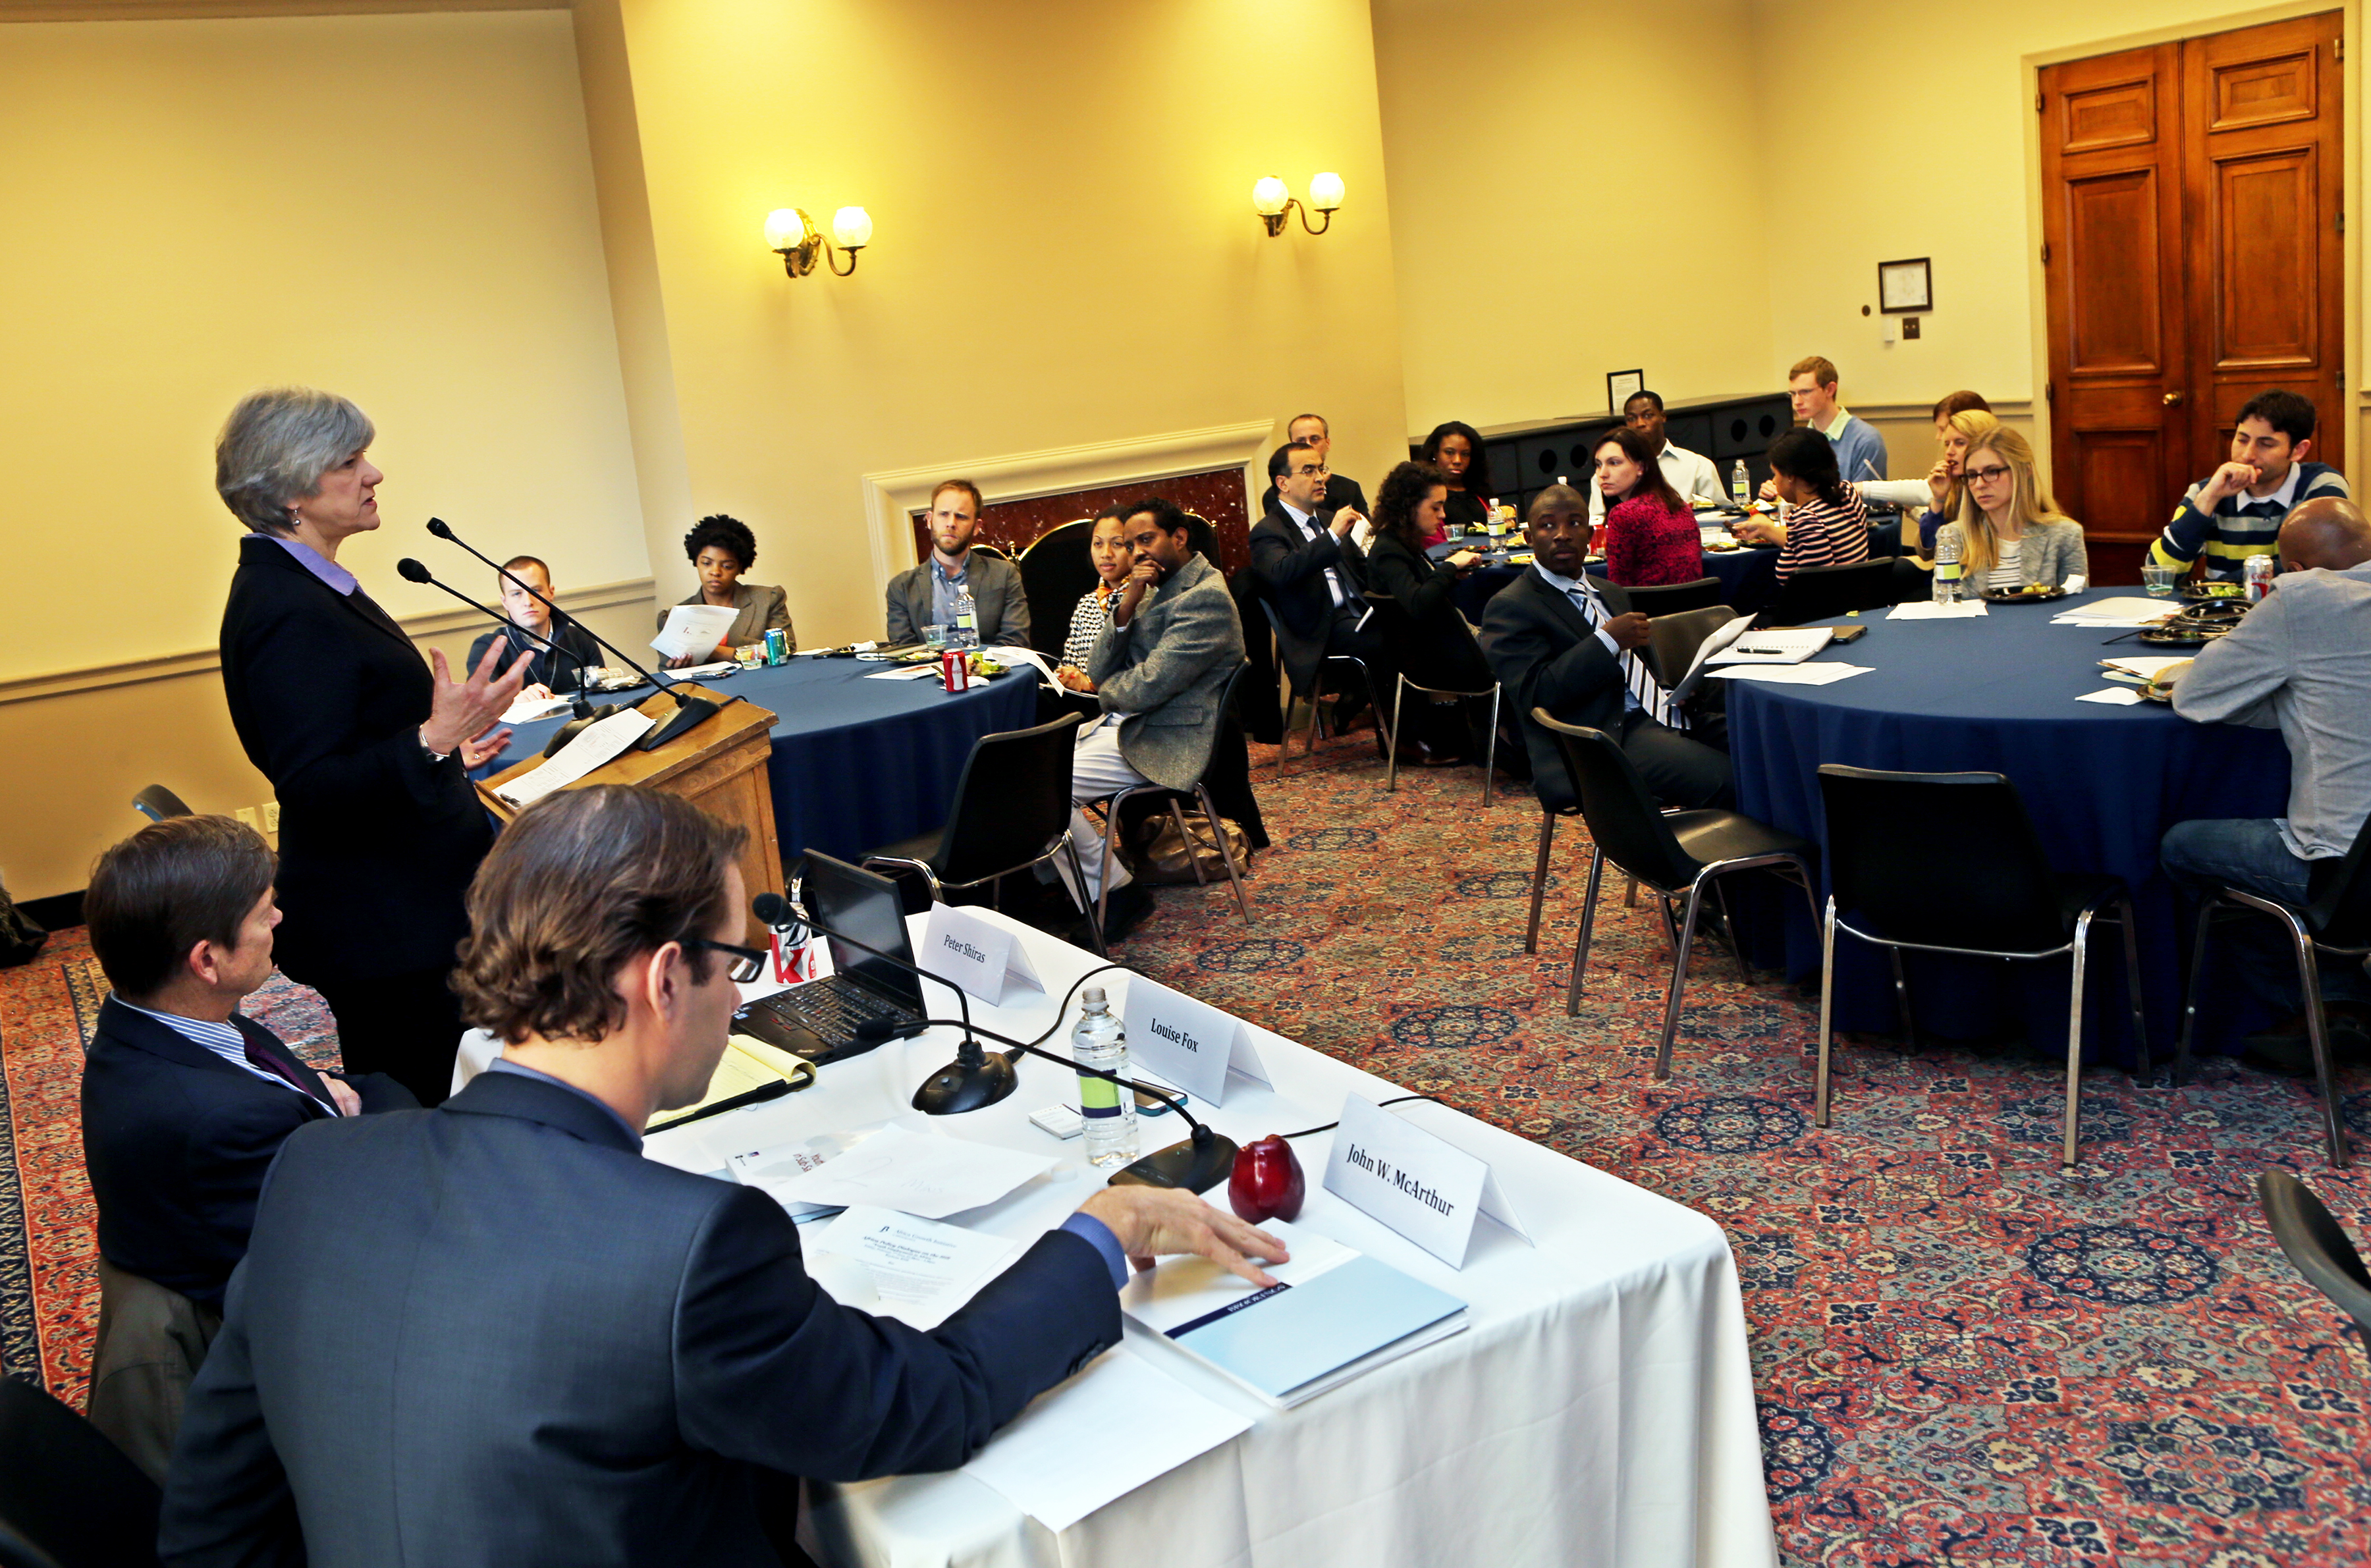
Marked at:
<point>1904,288</point>
<point>1621,385</point>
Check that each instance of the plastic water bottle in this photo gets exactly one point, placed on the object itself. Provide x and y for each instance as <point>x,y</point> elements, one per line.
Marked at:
<point>1946,570</point>
<point>966,630</point>
<point>1099,1041</point>
<point>1740,485</point>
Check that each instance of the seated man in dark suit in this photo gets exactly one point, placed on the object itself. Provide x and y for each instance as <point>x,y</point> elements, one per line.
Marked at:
<point>560,647</point>
<point>1342,491</point>
<point>184,1104</point>
<point>926,594</point>
<point>1315,570</point>
<point>494,1333</point>
<point>1559,639</point>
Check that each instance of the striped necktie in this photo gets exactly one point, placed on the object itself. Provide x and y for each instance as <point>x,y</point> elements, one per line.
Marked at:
<point>1641,681</point>
<point>280,1069</point>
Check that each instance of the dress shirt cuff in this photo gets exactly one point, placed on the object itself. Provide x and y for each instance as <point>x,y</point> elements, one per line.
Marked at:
<point>1611,646</point>
<point>1093,1231</point>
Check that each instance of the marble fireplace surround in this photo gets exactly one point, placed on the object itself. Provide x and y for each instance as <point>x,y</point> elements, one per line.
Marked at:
<point>892,497</point>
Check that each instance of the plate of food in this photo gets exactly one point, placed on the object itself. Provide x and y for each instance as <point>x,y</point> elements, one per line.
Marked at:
<point>2032,593</point>
<point>2195,626</point>
<point>2211,593</point>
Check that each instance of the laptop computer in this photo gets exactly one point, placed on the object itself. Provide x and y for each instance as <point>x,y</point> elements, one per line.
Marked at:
<point>817,1020</point>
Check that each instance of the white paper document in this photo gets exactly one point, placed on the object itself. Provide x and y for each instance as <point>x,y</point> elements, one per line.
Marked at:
<point>1791,674</point>
<point>920,1173</point>
<point>1775,645</point>
<point>921,1270</point>
<point>1014,657</point>
<point>1092,1440</point>
<point>2113,696</point>
<point>526,709</point>
<point>1926,609</point>
<point>594,745</point>
<point>2115,613</point>
<point>905,673</point>
<point>772,1169</point>
<point>694,630</point>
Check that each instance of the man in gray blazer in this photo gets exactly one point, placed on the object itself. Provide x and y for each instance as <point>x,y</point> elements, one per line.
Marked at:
<point>925,595</point>
<point>496,1334</point>
<point>1160,671</point>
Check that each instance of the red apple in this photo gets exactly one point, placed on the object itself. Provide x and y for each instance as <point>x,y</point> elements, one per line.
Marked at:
<point>1267,1183</point>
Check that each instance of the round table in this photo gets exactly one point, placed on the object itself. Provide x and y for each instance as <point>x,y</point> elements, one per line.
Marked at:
<point>1749,577</point>
<point>857,762</point>
<point>1999,694</point>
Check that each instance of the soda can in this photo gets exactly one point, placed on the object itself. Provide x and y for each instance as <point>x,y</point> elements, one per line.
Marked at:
<point>2256,572</point>
<point>778,646</point>
<point>955,669</point>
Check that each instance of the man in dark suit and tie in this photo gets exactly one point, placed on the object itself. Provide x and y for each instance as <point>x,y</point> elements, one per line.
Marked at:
<point>1315,571</point>
<point>493,1333</point>
<point>184,1104</point>
<point>1342,492</point>
<point>1561,639</point>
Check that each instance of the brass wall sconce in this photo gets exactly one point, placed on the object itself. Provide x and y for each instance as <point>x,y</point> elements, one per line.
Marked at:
<point>1273,202</point>
<point>791,235</point>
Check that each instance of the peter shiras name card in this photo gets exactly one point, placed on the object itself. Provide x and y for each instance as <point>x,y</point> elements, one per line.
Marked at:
<point>1418,1183</point>
<point>962,948</point>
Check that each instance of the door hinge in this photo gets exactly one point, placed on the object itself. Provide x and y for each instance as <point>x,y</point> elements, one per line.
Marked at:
<point>2037,100</point>
<point>2050,391</point>
<point>2045,253</point>
<point>2338,378</point>
<point>2338,49</point>
<point>2342,220</point>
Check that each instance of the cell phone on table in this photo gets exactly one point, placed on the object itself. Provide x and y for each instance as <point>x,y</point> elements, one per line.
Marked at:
<point>1849,633</point>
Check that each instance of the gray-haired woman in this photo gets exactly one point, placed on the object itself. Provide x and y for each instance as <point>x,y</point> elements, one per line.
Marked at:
<point>367,748</point>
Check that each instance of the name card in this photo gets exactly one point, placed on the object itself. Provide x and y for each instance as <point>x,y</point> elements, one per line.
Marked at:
<point>963,950</point>
<point>1418,1183</point>
<point>1186,1043</point>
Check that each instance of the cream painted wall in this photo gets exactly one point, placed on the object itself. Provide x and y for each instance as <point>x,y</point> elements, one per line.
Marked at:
<point>1574,190</point>
<point>1064,249</point>
<point>397,207</point>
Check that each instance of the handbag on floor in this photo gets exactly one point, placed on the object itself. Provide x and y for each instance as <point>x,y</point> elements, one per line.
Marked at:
<point>21,937</point>
<point>1163,860</point>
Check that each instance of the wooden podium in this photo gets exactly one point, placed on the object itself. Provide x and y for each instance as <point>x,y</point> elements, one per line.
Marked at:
<point>718,765</point>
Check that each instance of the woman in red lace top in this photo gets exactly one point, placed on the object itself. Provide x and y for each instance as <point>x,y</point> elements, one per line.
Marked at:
<point>1650,535</point>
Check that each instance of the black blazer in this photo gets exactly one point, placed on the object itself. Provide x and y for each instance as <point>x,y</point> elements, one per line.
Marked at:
<point>378,843</point>
<point>494,1333</point>
<point>1543,651</point>
<point>1426,590</point>
<point>558,671</point>
<point>177,1141</point>
<point>1295,569</point>
<point>1341,490</point>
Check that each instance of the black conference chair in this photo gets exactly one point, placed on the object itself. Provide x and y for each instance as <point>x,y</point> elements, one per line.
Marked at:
<point>1173,798</point>
<point>2317,1245</point>
<point>998,551</point>
<point>68,1498</point>
<point>1672,639</point>
<point>1011,811</point>
<point>1204,538</point>
<point>1886,887</point>
<point>1401,630</point>
<point>1055,572</point>
<point>157,802</point>
<point>1823,592</point>
<point>2336,921</point>
<point>1671,598</point>
<point>1678,854</point>
<point>1304,663</point>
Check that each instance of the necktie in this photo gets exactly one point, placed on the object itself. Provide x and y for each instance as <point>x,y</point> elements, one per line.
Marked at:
<point>281,1071</point>
<point>1635,675</point>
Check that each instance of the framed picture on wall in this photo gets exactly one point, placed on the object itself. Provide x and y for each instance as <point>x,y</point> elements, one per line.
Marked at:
<point>1905,288</point>
<point>1621,385</point>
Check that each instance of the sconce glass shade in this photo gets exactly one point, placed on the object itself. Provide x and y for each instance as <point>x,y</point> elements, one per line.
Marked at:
<point>785,226</point>
<point>851,228</point>
<point>1269,196</point>
<point>1325,193</point>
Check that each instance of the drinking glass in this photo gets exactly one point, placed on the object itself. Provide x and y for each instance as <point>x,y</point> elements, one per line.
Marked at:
<point>2158,580</point>
<point>936,636</point>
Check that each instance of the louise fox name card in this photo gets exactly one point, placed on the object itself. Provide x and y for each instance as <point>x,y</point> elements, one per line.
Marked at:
<point>1191,1045</point>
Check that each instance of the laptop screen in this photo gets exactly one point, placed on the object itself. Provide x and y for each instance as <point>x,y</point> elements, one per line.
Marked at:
<point>870,909</point>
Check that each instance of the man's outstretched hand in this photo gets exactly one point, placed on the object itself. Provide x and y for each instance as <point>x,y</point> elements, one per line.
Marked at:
<point>1151,1222</point>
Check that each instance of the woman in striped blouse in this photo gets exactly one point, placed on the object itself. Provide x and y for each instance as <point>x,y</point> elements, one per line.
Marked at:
<point>1108,547</point>
<point>1828,525</point>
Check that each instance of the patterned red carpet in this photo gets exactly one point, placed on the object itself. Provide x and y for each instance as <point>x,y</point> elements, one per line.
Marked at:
<point>1964,1356</point>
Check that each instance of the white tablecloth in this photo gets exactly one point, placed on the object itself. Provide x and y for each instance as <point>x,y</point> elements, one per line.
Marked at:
<point>1599,1410</point>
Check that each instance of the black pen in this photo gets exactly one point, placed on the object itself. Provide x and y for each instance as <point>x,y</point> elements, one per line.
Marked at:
<point>756,1096</point>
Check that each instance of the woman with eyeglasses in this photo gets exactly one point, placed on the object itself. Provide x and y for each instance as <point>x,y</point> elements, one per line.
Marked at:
<point>2010,534</point>
<point>1455,448</point>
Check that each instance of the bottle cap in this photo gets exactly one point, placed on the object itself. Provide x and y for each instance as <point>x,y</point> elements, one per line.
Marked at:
<point>1092,996</point>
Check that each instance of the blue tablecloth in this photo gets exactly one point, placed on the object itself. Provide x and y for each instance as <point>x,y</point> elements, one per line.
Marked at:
<point>857,762</point>
<point>2102,783</point>
<point>1748,580</point>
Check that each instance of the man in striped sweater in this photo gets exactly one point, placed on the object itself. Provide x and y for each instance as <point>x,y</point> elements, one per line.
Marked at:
<point>2237,511</point>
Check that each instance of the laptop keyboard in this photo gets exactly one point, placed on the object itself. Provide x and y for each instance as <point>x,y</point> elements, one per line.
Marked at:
<point>831,1007</point>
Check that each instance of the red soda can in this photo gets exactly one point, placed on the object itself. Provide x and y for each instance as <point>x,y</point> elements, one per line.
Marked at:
<point>955,669</point>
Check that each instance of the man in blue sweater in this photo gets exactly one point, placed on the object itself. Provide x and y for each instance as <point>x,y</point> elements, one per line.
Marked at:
<point>1861,451</point>
<point>2237,511</point>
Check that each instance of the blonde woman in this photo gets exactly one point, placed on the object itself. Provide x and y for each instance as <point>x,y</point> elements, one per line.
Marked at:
<point>2009,532</point>
<point>1936,496</point>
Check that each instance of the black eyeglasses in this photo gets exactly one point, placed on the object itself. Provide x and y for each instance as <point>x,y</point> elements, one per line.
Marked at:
<point>1990,476</point>
<point>748,963</point>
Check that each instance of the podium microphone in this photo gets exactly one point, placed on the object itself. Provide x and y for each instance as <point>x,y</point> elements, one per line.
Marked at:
<point>691,708</point>
<point>586,715</point>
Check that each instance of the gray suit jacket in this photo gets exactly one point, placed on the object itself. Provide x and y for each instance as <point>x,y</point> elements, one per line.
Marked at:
<point>1167,670</point>
<point>996,592</point>
<point>2051,552</point>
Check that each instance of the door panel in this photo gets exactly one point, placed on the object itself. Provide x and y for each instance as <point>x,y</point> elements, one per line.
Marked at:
<point>2111,261</point>
<point>2266,262</point>
<point>2263,92</point>
<point>2115,114</point>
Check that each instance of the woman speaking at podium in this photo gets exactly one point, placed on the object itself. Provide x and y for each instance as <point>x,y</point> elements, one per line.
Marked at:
<point>366,747</point>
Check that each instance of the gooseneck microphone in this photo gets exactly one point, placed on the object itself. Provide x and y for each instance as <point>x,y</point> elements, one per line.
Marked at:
<point>586,715</point>
<point>979,1077</point>
<point>691,708</point>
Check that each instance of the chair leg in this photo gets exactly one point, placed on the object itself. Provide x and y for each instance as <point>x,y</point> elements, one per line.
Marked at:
<point>1490,749</point>
<point>1630,893</point>
<point>1392,763</point>
<point>2074,1042</point>
<point>1670,924</point>
<point>1827,925</point>
<point>1588,925</point>
<point>2317,1029</point>
<point>1388,740</point>
<point>1902,1000</point>
<point>1540,881</point>
<point>2189,993</point>
<point>1316,708</point>
<point>1079,881</point>
<point>2143,1071</point>
<point>1736,946</point>
<point>1679,982</point>
<point>1111,859</point>
<point>1185,838</point>
<point>1226,850</point>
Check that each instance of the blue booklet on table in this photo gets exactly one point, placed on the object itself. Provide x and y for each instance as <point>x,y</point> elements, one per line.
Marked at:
<point>1334,1314</point>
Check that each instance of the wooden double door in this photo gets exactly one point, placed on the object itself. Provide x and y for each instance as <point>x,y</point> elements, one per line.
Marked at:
<point>2191,229</point>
